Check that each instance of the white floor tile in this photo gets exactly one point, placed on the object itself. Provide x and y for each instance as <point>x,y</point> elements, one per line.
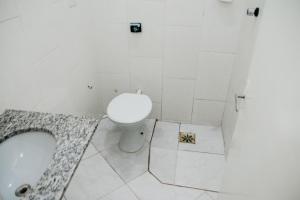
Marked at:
<point>163,164</point>
<point>213,195</point>
<point>200,170</point>
<point>205,196</point>
<point>146,187</point>
<point>127,165</point>
<point>93,179</point>
<point>166,135</point>
<point>123,193</point>
<point>208,139</point>
<point>106,135</point>
<point>90,151</point>
<point>148,129</point>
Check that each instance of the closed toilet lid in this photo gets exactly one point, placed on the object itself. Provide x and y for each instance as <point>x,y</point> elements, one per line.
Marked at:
<point>129,108</point>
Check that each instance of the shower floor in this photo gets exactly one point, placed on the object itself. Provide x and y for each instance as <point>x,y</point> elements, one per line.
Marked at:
<point>164,169</point>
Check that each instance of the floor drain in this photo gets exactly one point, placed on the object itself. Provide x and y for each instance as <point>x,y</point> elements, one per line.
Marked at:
<point>187,137</point>
<point>22,190</point>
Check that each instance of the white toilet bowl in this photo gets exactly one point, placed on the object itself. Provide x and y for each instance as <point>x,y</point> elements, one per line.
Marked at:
<point>129,112</point>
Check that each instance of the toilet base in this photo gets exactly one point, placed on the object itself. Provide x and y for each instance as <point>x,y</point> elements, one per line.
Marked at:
<point>132,139</point>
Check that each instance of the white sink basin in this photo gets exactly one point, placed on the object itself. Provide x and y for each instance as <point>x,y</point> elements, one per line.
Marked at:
<point>23,159</point>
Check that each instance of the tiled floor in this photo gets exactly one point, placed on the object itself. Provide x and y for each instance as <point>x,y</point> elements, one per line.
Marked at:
<point>197,165</point>
<point>106,173</point>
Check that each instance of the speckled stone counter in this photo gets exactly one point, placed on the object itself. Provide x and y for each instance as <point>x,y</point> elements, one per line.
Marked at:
<point>72,135</point>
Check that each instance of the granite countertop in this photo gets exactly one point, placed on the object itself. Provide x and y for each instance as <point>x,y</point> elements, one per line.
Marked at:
<point>72,136</point>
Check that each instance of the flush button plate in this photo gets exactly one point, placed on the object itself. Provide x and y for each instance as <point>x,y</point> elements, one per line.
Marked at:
<point>135,27</point>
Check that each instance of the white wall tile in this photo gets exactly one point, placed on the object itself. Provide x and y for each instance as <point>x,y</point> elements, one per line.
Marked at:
<point>149,43</point>
<point>221,26</point>
<point>37,19</point>
<point>146,11</point>
<point>208,112</point>
<point>156,111</point>
<point>8,9</point>
<point>112,49</point>
<point>94,36</point>
<point>14,62</point>
<point>146,74</point>
<point>45,71</point>
<point>181,52</point>
<point>213,76</point>
<point>185,12</point>
<point>151,14</point>
<point>178,97</point>
<point>111,85</point>
<point>110,11</point>
<point>239,74</point>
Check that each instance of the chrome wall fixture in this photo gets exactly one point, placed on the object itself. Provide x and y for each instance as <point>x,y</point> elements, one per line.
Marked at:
<point>253,12</point>
<point>237,100</point>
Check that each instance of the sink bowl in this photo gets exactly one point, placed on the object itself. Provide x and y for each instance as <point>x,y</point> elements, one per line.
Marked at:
<point>23,159</point>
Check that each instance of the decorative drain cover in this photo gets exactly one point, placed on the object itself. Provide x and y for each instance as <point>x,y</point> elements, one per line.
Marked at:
<point>187,137</point>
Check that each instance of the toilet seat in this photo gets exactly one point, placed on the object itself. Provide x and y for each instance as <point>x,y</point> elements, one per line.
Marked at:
<point>129,108</point>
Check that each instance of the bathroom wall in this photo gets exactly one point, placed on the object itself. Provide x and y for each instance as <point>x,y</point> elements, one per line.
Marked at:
<point>263,162</point>
<point>51,50</point>
<point>240,70</point>
<point>46,56</point>
<point>183,58</point>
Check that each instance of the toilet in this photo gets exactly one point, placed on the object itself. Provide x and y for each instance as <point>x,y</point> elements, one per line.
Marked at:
<point>129,111</point>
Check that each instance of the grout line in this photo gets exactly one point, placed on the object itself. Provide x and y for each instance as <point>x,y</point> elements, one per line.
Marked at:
<point>100,153</point>
<point>148,169</point>
<point>218,52</point>
<point>103,196</point>
<point>201,195</point>
<point>180,78</point>
<point>133,192</point>
<point>204,152</point>
<point>182,186</point>
<point>92,155</point>
<point>176,164</point>
<point>211,100</point>
<point>163,64</point>
<point>8,19</point>
<point>123,180</point>
<point>194,96</point>
<point>150,142</point>
<point>223,136</point>
<point>175,185</point>
<point>78,164</point>
<point>211,196</point>
<point>188,187</point>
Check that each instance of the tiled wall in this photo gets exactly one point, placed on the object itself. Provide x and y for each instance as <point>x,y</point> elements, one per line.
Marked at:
<point>50,50</point>
<point>183,58</point>
<point>239,77</point>
<point>46,56</point>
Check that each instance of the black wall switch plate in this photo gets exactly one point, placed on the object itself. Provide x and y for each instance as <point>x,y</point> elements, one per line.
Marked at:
<point>135,27</point>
